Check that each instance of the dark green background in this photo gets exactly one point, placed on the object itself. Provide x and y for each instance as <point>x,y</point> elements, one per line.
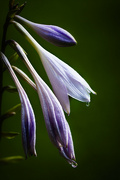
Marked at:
<point>95,129</point>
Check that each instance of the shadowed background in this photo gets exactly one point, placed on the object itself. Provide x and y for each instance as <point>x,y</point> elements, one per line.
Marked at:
<point>95,129</point>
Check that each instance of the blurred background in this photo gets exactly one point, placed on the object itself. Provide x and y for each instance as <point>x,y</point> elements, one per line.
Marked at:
<point>95,129</point>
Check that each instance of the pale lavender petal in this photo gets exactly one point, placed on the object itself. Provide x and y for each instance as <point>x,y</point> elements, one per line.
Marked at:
<point>60,72</point>
<point>58,85</point>
<point>53,34</point>
<point>53,113</point>
<point>74,76</point>
<point>27,114</point>
<point>31,130</point>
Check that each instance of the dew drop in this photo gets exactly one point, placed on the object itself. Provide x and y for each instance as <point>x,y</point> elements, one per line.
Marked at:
<point>74,164</point>
<point>87,104</point>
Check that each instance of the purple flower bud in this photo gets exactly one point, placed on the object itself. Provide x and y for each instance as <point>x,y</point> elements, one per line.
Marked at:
<point>27,114</point>
<point>53,34</point>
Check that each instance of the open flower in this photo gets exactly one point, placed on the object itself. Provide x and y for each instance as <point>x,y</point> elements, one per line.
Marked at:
<point>54,34</point>
<point>27,114</point>
<point>64,79</point>
<point>56,124</point>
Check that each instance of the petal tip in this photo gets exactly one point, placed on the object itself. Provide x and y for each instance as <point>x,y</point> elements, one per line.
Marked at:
<point>67,111</point>
<point>94,93</point>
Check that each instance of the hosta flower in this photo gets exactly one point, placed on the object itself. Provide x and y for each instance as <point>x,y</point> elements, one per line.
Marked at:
<point>27,114</point>
<point>56,124</point>
<point>54,34</point>
<point>64,79</point>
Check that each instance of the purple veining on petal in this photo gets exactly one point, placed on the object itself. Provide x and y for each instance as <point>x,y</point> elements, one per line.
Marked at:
<point>53,34</point>
<point>56,70</point>
<point>68,152</point>
<point>53,113</point>
<point>70,148</point>
<point>28,125</point>
<point>32,130</point>
<point>27,114</point>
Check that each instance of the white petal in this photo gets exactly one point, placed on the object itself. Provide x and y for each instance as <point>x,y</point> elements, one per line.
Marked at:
<point>56,69</point>
<point>58,85</point>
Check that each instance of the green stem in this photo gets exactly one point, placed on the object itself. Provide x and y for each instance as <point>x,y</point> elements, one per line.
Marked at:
<point>5,27</point>
<point>13,9</point>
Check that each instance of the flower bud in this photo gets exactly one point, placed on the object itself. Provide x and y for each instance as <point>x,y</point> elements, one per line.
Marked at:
<point>27,114</point>
<point>53,34</point>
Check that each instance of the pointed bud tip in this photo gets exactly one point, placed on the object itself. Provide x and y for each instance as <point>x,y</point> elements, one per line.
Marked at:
<point>35,154</point>
<point>74,42</point>
<point>67,110</point>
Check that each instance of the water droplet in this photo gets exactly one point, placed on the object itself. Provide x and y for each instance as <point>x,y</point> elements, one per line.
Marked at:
<point>74,164</point>
<point>87,104</point>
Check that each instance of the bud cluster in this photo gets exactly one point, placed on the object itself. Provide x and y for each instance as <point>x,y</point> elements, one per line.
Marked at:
<point>64,79</point>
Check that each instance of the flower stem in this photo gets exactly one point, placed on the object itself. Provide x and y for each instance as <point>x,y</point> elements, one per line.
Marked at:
<point>5,27</point>
<point>13,10</point>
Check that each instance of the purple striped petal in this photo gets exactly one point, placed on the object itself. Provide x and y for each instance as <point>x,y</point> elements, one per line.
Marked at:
<point>68,152</point>
<point>53,34</point>
<point>56,69</point>
<point>27,115</point>
<point>53,114</point>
